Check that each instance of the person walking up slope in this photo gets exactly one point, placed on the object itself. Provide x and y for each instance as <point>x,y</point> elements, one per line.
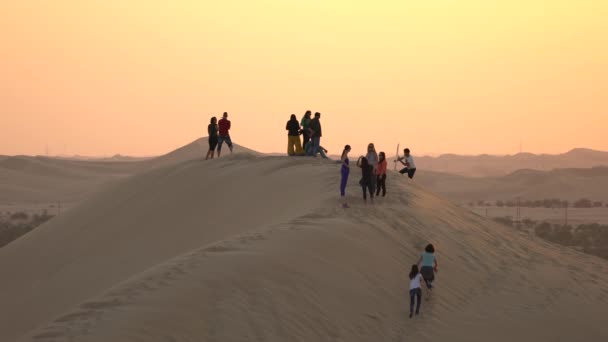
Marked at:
<point>428,261</point>
<point>381,175</point>
<point>294,146</point>
<point>224,135</point>
<point>415,290</point>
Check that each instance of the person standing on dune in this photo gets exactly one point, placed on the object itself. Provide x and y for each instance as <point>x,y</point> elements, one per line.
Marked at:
<point>212,130</point>
<point>367,172</point>
<point>224,135</point>
<point>372,159</point>
<point>315,133</point>
<point>381,175</point>
<point>344,171</point>
<point>305,123</point>
<point>294,146</point>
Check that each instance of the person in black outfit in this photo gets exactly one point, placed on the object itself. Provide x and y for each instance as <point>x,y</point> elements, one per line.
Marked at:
<point>212,130</point>
<point>367,172</point>
<point>294,146</point>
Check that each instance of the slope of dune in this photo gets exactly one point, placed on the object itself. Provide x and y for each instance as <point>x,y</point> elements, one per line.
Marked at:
<point>254,248</point>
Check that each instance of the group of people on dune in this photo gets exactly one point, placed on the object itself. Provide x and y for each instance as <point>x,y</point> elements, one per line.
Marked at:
<point>310,130</point>
<point>373,171</point>
<point>373,179</point>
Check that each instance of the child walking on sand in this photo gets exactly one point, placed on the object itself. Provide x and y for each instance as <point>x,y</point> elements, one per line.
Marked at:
<point>344,171</point>
<point>415,290</point>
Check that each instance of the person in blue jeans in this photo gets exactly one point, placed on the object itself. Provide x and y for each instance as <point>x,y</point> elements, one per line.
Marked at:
<point>344,171</point>
<point>428,261</point>
<point>415,290</point>
<point>315,131</point>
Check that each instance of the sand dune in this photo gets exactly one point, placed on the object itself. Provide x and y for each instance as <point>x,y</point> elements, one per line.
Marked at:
<point>254,248</point>
<point>28,180</point>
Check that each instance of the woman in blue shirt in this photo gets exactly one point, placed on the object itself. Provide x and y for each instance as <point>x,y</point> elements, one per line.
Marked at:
<point>428,263</point>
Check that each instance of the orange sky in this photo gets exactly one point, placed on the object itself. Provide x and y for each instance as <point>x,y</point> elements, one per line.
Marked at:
<point>144,77</point>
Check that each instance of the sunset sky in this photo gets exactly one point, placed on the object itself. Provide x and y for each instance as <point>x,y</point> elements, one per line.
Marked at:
<point>144,77</point>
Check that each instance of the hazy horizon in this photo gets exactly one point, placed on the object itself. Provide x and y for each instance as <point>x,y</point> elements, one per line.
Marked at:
<point>142,78</point>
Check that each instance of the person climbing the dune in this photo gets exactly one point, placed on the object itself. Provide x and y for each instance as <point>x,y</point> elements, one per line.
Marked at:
<point>224,135</point>
<point>408,161</point>
<point>381,175</point>
<point>415,290</point>
<point>294,146</point>
<point>305,123</point>
<point>212,131</point>
<point>428,264</point>
<point>372,159</point>
<point>344,172</point>
<point>367,172</point>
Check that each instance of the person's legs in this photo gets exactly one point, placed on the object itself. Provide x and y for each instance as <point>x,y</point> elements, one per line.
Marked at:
<point>383,184</point>
<point>290,147</point>
<point>298,145</point>
<point>364,187</point>
<point>316,142</point>
<point>411,173</point>
<point>220,142</point>
<point>379,183</point>
<point>403,171</point>
<point>323,155</point>
<point>229,143</point>
<point>343,182</point>
<point>306,138</point>
<point>419,297</point>
<point>412,299</point>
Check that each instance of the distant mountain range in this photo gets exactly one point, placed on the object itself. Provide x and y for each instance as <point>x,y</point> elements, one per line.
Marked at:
<point>493,166</point>
<point>565,184</point>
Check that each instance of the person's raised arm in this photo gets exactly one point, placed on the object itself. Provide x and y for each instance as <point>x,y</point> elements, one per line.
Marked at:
<point>435,262</point>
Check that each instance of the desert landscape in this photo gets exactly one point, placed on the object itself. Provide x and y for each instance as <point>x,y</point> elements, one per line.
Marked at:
<point>169,251</point>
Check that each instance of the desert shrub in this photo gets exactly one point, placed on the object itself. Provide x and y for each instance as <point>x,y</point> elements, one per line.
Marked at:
<point>507,220</point>
<point>500,204</point>
<point>20,216</point>
<point>583,203</point>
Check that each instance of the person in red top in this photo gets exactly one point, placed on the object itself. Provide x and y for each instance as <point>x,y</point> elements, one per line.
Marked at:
<point>224,127</point>
<point>381,175</point>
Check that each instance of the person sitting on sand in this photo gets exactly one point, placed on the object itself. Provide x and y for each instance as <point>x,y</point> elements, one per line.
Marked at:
<point>428,261</point>
<point>415,290</point>
<point>344,171</point>
<point>224,127</point>
<point>367,173</point>
<point>408,161</point>
<point>294,146</point>
<point>308,149</point>
<point>381,175</point>
<point>212,130</point>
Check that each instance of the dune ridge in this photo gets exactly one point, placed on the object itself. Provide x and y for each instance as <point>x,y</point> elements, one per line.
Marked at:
<point>254,248</point>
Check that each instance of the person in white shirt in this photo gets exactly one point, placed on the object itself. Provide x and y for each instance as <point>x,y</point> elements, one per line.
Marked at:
<point>408,161</point>
<point>415,289</point>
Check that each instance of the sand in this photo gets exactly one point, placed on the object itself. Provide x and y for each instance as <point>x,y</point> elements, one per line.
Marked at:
<point>256,248</point>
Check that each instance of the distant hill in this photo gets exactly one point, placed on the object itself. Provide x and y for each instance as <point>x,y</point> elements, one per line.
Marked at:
<point>567,184</point>
<point>27,179</point>
<point>491,165</point>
